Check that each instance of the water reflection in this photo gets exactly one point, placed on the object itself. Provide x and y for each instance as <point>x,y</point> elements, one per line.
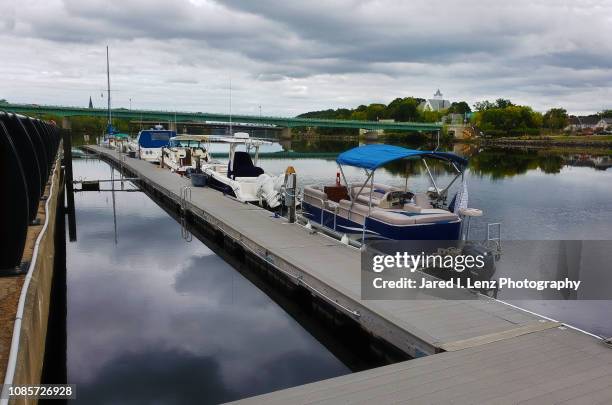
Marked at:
<point>156,319</point>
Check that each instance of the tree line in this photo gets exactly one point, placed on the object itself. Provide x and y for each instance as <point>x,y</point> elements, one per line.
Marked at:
<point>493,118</point>
<point>401,109</point>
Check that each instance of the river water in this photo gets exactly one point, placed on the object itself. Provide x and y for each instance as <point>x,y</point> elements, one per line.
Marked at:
<point>153,318</point>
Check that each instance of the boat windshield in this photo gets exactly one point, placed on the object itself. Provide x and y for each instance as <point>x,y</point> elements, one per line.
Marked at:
<point>178,143</point>
<point>160,136</point>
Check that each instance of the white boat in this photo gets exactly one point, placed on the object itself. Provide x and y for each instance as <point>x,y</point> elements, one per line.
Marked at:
<point>240,177</point>
<point>185,153</point>
<point>149,143</point>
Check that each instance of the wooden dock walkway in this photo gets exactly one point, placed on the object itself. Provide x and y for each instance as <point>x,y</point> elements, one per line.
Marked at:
<point>490,349</point>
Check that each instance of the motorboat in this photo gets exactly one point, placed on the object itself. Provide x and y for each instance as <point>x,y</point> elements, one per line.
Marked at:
<point>185,153</point>
<point>149,143</point>
<point>240,177</point>
<point>116,140</point>
<point>371,210</point>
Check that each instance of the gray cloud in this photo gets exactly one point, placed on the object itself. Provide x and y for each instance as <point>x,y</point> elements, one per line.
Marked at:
<point>291,57</point>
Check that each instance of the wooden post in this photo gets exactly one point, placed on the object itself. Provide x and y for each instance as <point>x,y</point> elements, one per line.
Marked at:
<point>290,190</point>
<point>67,137</point>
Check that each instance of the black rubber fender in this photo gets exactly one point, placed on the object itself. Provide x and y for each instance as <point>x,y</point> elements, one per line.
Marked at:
<point>14,204</point>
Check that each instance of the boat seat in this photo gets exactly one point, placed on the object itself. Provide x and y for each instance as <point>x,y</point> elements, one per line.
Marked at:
<point>412,207</point>
<point>243,166</point>
<point>358,213</point>
<point>392,217</point>
<point>422,200</point>
<point>378,191</point>
<point>365,199</point>
<point>425,216</point>
<point>315,197</point>
<point>433,217</point>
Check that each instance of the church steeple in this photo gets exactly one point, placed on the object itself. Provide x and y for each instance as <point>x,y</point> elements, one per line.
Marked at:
<point>90,103</point>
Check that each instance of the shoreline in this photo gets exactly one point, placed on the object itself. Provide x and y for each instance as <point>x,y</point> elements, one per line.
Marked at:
<point>551,142</point>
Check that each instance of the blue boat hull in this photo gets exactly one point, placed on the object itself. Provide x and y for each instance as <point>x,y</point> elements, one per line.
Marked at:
<point>377,230</point>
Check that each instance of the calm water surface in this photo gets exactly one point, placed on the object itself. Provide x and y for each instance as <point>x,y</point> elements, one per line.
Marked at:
<point>154,319</point>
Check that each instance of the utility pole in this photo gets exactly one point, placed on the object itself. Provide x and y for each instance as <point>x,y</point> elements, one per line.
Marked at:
<point>108,89</point>
<point>230,107</point>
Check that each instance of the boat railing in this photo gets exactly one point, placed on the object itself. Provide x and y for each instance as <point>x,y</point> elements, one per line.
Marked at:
<point>494,236</point>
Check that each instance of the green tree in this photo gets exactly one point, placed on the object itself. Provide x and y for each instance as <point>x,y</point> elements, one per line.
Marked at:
<point>503,103</point>
<point>431,116</point>
<point>403,109</point>
<point>459,107</point>
<point>375,111</point>
<point>483,105</point>
<point>359,116</point>
<point>556,119</point>
<point>606,114</point>
<point>511,120</point>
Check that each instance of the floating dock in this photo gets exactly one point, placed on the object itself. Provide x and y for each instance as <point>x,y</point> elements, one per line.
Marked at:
<point>466,351</point>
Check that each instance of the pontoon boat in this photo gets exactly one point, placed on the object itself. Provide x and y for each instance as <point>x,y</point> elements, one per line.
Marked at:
<point>378,211</point>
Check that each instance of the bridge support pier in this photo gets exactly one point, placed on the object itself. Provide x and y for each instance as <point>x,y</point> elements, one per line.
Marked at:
<point>285,133</point>
<point>371,135</point>
<point>66,123</point>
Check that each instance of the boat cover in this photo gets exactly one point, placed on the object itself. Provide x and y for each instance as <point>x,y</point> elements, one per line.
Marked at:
<point>374,156</point>
<point>155,138</point>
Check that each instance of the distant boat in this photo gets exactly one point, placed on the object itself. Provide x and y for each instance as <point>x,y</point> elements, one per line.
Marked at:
<point>149,143</point>
<point>185,153</point>
<point>77,153</point>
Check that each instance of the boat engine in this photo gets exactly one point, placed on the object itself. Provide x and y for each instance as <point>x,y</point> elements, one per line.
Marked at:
<point>267,190</point>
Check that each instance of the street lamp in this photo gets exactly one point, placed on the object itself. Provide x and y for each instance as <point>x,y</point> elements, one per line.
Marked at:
<point>259,112</point>
<point>130,103</point>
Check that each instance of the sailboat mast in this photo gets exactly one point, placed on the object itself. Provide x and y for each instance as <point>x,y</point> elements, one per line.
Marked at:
<point>108,89</point>
<point>230,107</point>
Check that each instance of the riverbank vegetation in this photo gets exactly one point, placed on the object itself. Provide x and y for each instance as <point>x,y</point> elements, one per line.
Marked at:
<point>92,125</point>
<point>496,119</point>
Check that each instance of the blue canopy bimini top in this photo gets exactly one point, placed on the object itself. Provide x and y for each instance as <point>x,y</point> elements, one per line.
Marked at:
<point>155,138</point>
<point>374,156</point>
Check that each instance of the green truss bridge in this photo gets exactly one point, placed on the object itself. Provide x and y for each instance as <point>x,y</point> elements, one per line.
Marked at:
<point>172,116</point>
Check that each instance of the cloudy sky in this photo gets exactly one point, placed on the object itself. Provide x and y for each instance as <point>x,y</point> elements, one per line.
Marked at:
<point>295,56</point>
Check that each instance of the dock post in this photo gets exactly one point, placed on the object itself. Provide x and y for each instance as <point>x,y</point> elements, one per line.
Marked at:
<point>290,190</point>
<point>67,137</point>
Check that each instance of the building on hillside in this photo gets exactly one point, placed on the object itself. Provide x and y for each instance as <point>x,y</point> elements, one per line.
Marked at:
<point>577,123</point>
<point>604,123</point>
<point>437,103</point>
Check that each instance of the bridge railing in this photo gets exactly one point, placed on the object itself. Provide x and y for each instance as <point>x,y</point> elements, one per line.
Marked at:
<point>168,115</point>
